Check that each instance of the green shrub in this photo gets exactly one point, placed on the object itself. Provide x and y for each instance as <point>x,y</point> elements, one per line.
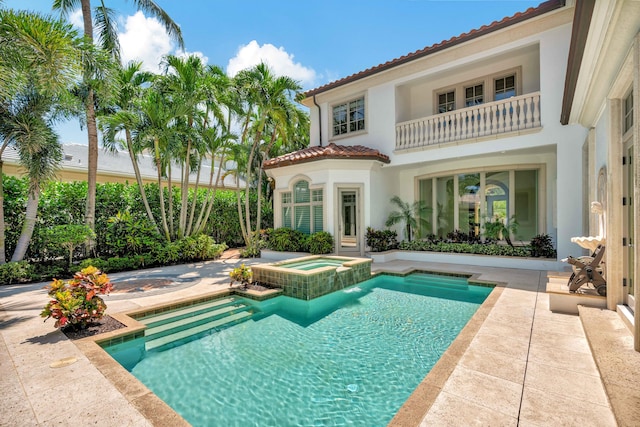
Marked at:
<point>66,238</point>
<point>542,246</point>
<point>99,263</point>
<point>467,248</point>
<point>287,240</point>
<point>381,240</point>
<point>321,243</point>
<point>124,263</point>
<point>127,234</point>
<point>51,269</point>
<point>14,272</point>
<point>75,303</point>
<point>200,248</point>
<point>167,253</point>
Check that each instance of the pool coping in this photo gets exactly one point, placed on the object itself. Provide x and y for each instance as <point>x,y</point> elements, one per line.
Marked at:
<point>160,413</point>
<point>424,395</point>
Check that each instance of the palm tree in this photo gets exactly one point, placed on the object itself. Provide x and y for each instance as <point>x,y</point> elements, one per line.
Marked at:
<point>185,83</point>
<point>123,116</point>
<point>108,39</point>
<point>413,215</point>
<point>262,96</point>
<point>41,59</point>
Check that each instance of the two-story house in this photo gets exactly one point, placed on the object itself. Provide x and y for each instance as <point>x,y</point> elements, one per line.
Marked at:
<point>535,117</point>
<point>470,126</point>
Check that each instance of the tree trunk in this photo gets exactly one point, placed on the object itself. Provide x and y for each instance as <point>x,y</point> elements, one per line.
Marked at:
<point>28,226</point>
<point>260,171</point>
<point>170,194</point>
<point>3,257</point>
<point>182,225</point>
<point>161,192</point>
<point>203,219</point>
<point>136,170</point>
<point>92,133</point>
<point>195,197</point>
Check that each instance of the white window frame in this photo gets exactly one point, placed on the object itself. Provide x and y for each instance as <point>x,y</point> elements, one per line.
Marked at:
<point>345,103</point>
<point>313,191</point>
<point>542,203</point>
<point>488,83</point>
<point>627,113</point>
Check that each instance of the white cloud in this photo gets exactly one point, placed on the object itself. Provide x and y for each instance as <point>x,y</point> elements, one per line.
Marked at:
<point>278,59</point>
<point>76,19</point>
<point>144,39</point>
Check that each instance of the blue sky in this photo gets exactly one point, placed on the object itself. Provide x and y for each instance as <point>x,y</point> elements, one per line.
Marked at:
<point>314,42</point>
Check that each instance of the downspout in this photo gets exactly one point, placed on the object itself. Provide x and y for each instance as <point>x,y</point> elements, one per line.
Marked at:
<point>319,119</point>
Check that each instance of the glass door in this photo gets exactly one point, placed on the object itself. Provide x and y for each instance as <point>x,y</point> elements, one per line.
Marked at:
<point>348,222</point>
<point>629,223</point>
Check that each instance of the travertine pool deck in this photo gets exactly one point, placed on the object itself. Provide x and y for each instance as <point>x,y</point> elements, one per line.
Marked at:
<point>515,364</point>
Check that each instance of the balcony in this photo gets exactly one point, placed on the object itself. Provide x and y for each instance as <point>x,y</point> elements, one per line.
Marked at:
<point>514,114</point>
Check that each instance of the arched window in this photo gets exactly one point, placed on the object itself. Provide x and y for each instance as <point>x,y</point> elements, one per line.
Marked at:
<point>302,209</point>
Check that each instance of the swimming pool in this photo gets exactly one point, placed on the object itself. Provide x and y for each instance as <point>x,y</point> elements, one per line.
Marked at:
<point>351,357</point>
<point>313,276</point>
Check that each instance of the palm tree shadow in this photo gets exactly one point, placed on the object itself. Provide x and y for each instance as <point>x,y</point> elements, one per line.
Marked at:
<point>52,337</point>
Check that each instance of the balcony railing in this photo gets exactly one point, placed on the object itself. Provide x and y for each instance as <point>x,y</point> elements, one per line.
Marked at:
<point>493,118</point>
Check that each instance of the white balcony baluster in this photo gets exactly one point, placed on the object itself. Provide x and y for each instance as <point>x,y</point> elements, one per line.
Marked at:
<point>493,118</point>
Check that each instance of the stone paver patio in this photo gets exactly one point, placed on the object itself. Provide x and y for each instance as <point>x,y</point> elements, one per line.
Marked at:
<point>516,363</point>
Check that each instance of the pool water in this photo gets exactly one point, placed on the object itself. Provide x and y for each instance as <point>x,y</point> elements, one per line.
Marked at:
<point>348,358</point>
<point>315,263</point>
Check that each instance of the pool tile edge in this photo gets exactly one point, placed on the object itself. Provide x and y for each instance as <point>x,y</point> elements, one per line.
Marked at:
<point>412,412</point>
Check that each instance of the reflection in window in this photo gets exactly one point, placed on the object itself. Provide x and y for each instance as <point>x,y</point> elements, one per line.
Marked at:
<point>446,102</point>
<point>505,88</point>
<point>474,95</point>
<point>477,204</point>
<point>303,210</point>
<point>348,117</point>
<point>444,208</point>
<point>469,205</point>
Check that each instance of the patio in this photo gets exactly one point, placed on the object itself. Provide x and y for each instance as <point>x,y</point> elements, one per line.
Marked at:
<point>516,363</point>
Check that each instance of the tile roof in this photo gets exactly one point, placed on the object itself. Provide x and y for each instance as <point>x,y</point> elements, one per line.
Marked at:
<point>532,12</point>
<point>331,151</point>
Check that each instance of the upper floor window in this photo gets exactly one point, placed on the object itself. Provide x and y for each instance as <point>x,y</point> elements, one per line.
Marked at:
<point>446,102</point>
<point>628,112</point>
<point>348,117</point>
<point>473,95</point>
<point>504,87</point>
<point>303,209</point>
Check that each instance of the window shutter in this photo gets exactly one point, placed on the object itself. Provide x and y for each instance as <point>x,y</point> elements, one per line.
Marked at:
<point>303,219</point>
<point>317,218</point>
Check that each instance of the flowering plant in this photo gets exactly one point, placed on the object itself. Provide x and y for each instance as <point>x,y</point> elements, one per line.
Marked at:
<point>241,274</point>
<point>75,303</point>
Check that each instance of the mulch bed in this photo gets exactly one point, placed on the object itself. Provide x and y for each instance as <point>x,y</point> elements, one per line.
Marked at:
<point>106,324</point>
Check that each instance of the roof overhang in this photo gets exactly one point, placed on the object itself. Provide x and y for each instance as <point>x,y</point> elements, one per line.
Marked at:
<point>580,31</point>
<point>329,152</point>
<point>530,13</point>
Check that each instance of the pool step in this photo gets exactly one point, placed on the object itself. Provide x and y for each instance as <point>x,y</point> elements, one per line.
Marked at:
<point>204,316</point>
<point>192,310</point>
<point>180,332</point>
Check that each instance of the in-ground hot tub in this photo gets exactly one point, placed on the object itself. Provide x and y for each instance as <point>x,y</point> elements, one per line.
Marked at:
<point>313,276</point>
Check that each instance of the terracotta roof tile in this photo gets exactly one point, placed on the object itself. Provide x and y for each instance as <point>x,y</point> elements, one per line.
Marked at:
<point>532,12</point>
<point>331,151</point>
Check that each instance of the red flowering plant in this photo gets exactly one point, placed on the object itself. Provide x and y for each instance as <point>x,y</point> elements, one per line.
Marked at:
<point>75,303</point>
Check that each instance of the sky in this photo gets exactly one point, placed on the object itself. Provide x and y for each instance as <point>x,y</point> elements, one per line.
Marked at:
<point>314,42</point>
